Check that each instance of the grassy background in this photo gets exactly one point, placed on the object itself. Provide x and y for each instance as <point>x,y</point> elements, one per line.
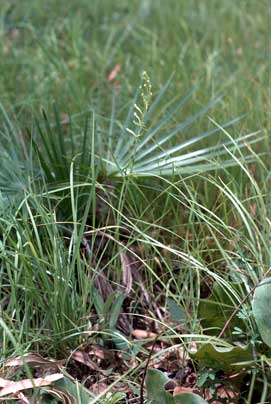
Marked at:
<point>62,52</point>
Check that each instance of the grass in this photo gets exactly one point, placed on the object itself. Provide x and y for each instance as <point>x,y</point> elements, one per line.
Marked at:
<point>91,254</point>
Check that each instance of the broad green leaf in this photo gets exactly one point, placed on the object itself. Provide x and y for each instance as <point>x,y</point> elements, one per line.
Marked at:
<point>225,358</point>
<point>120,341</point>
<point>177,313</point>
<point>188,398</point>
<point>217,308</point>
<point>156,393</point>
<point>76,390</point>
<point>261,309</point>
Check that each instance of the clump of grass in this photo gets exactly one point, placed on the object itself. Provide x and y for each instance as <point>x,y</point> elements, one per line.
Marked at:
<point>137,195</point>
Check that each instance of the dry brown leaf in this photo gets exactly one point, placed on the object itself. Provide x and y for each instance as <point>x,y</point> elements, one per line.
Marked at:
<point>142,334</point>
<point>14,33</point>
<point>3,382</point>
<point>222,392</point>
<point>98,352</point>
<point>253,209</point>
<point>23,398</point>
<point>98,388</point>
<point>127,277</point>
<point>11,387</point>
<point>113,74</point>
<point>65,118</point>
<point>32,359</point>
<point>169,360</point>
<point>83,357</point>
<point>61,394</point>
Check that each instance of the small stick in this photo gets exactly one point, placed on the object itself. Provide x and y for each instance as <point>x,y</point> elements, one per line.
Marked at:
<point>146,368</point>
